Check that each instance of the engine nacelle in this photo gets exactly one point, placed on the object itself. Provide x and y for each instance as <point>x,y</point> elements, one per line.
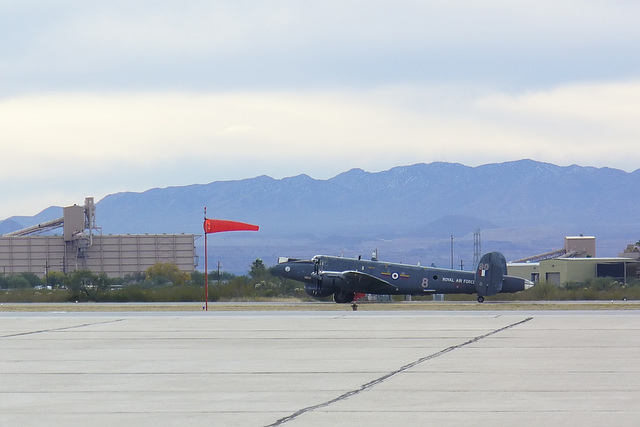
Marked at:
<point>490,274</point>
<point>324,284</point>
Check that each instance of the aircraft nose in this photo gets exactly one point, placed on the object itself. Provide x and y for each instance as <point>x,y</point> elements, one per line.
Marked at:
<point>280,269</point>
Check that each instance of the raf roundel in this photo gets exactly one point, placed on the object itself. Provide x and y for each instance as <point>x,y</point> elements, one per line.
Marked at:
<point>394,276</point>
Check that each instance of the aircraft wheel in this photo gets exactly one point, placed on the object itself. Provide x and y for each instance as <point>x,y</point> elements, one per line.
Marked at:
<point>344,297</point>
<point>480,298</point>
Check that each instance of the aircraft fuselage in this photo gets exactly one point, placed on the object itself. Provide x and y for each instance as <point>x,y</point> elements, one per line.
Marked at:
<point>326,275</point>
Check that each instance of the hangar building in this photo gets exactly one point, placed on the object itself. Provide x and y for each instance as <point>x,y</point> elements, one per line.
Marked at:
<point>82,246</point>
<point>576,262</point>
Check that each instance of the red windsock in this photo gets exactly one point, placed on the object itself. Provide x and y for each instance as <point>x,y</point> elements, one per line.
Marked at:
<point>221,225</point>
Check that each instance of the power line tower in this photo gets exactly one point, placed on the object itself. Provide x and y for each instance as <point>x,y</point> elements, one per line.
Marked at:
<point>477,248</point>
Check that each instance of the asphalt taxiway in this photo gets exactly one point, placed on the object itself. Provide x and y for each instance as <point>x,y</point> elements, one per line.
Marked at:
<point>318,368</point>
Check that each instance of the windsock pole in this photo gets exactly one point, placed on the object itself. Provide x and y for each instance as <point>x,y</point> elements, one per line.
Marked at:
<point>206,268</point>
<point>219,226</point>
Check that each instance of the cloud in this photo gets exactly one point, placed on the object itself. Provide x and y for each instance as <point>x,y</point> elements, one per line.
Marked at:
<point>61,147</point>
<point>178,27</point>
<point>100,97</point>
<point>287,44</point>
<point>330,130</point>
<point>603,103</point>
<point>589,124</point>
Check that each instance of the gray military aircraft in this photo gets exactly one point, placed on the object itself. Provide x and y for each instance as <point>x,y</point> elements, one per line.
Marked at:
<point>345,277</point>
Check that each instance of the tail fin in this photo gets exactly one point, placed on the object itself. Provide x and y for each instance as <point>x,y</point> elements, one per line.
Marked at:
<point>490,274</point>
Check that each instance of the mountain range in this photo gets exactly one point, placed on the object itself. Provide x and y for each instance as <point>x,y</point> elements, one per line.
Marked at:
<point>408,213</point>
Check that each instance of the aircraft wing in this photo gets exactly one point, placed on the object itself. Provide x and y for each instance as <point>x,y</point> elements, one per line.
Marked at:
<point>358,281</point>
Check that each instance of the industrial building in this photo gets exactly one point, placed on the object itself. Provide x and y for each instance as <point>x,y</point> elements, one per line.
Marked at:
<point>82,246</point>
<point>576,262</point>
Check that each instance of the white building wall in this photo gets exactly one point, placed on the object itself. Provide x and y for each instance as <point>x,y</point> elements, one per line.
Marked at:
<point>115,255</point>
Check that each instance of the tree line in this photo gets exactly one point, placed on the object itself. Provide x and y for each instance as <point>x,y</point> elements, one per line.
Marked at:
<point>162,282</point>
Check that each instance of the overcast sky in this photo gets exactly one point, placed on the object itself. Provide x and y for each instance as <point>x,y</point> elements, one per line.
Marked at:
<point>102,97</point>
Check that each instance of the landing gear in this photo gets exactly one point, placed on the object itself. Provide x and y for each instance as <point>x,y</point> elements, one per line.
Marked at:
<point>480,298</point>
<point>344,297</point>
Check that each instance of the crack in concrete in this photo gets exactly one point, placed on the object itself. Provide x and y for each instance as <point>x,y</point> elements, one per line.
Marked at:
<point>383,378</point>
<point>64,328</point>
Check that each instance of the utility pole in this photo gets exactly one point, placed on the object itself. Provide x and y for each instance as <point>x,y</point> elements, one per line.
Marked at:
<point>218,273</point>
<point>452,251</point>
<point>46,274</point>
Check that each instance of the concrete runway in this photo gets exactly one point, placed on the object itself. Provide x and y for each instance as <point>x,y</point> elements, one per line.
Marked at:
<point>373,368</point>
